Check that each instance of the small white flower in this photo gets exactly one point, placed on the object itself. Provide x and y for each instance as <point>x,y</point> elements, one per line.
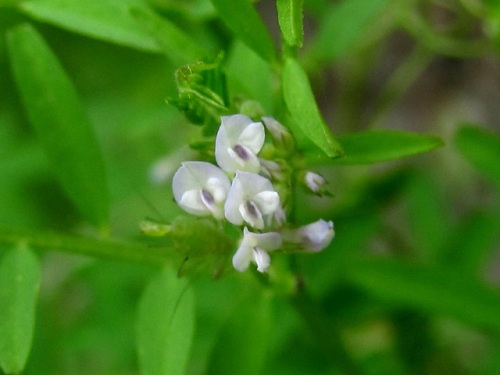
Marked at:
<point>254,247</point>
<point>277,130</point>
<point>237,144</point>
<point>315,182</point>
<point>251,199</point>
<point>201,188</point>
<point>313,237</point>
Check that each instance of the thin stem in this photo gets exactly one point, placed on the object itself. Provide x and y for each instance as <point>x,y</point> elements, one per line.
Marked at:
<point>102,248</point>
<point>326,334</point>
<point>413,23</point>
<point>400,81</point>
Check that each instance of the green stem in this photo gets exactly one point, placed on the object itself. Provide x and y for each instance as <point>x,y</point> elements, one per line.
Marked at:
<point>400,81</point>
<point>102,248</point>
<point>415,25</point>
<point>326,334</point>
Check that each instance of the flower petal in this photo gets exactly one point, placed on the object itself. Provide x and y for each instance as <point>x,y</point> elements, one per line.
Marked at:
<point>254,247</point>
<point>262,259</point>
<point>267,201</point>
<point>249,199</point>
<point>267,241</point>
<point>191,202</point>
<point>242,258</point>
<point>315,236</point>
<point>253,137</point>
<point>193,179</point>
<point>238,142</point>
<point>242,159</point>
<point>235,198</point>
<point>251,214</point>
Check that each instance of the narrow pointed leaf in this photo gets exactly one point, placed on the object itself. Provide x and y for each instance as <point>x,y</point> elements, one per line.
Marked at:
<point>165,325</point>
<point>343,26</point>
<point>472,245</point>
<point>19,284</point>
<point>290,20</point>
<point>304,112</point>
<point>482,149</point>
<point>108,20</point>
<point>175,43</point>
<point>427,216</point>
<point>63,128</point>
<point>432,290</point>
<point>377,146</point>
<point>246,24</point>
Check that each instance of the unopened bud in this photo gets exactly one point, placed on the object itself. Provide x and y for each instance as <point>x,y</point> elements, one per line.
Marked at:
<point>315,182</point>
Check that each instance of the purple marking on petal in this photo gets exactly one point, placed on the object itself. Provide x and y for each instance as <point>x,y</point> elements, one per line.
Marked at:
<point>252,209</point>
<point>207,197</point>
<point>241,152</point>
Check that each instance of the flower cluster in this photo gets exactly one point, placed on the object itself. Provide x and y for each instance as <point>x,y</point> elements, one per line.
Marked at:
<point>239,190</point>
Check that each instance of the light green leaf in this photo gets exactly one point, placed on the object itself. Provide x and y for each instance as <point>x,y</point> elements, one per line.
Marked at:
<point>290,21</point>
<point>481,148</point>
<point>177,45</point>
<point>304,112</point>
<point>19,283</point>
<point>59,118</point>
<point>344,26</point>
<point>165,325</point>
<point>238,73</point>
<point>432,290</point>
<point>244,21</point>
<point>244,339</point>
<point>376,146</point>
<point>108,20</point>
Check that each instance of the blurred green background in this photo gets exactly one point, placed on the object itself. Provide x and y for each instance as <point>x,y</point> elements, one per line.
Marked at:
<point>410,283</point>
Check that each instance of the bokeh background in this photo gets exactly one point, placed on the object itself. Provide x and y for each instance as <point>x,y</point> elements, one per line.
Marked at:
<point>410,283</point>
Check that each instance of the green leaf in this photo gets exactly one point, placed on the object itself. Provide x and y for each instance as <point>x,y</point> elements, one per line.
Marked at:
<point>238,73</point>
<point>19,283</point>
<point>59,118</point>
<point>344,26</point>
<point>243,342</point>
<point>290,20</point>
<point>165,325</point>
<point>432,290</point>
<point>473,242</point>
<point>177,45</point>
<point>376,146</point>
<point>482,149</point>
<point>427,217</point>
<point>305,114</point>
<point>108,20</point>
<point>244,21</point>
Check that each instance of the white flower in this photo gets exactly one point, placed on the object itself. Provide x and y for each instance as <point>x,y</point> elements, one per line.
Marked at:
<point>315,182</point>
<point>237,144</point>
<point>201,188</point>
<point>254,247</point>
<point>313,237</point>
<point>251,199</point>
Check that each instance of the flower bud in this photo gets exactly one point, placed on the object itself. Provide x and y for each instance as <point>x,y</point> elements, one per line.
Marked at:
<point>280,133</point>
<point>315,182</point>
<point>313,237</point>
